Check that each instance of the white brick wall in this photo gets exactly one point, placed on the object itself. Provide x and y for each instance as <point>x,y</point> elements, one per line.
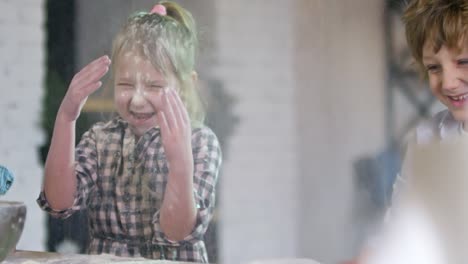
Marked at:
<point>22,51</point>
<point>340,77</point>
<point>259,187</point>
<point>309,78</point>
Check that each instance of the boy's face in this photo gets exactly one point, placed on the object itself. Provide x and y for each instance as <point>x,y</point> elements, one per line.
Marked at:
<point>447,71</point>
<point>138,91</point>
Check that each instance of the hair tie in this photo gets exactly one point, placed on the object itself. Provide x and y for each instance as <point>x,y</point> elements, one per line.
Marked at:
<point>159,9</point>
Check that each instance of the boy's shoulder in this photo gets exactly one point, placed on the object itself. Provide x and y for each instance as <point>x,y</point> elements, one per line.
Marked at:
<point>441,126</point>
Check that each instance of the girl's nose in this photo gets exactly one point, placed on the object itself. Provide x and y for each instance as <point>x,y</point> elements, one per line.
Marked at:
<point>138,99</point>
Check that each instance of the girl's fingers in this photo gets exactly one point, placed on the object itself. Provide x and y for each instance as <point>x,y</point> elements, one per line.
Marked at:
<point>93,74</point>
<point>183,110</point>
<point>92,87</point>
<point>78,97</point>
<point>89,71</point>
<point>178,118</point>
<point>98,73</point>
<point>163,124</point>
<point>169,111</point>
<point>86,87</point>
<point>89,81</point>
<point>92,78</point>
<point>90,65</point>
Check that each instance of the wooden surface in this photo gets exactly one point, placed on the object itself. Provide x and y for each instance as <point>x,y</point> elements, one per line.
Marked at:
<point>33,257</point>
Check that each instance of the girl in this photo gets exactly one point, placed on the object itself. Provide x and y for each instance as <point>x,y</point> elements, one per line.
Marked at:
<point>147,177</point>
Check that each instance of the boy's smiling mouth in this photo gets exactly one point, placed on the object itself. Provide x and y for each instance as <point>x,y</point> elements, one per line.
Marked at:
<point>458,100</point>
<point>458,97</point>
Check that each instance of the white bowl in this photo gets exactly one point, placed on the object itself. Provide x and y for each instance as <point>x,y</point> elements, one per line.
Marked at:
<point>284,261</point>
<point>12,217</point>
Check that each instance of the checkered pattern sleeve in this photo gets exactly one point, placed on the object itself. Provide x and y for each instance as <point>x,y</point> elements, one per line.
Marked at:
<point>86,173</point>
<point>207,161</point>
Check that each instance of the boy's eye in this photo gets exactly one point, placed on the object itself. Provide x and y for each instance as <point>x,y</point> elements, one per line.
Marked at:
<point>432,68</point>
<point>463,62</point>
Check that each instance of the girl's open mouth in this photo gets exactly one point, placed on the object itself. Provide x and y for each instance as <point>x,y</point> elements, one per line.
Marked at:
<point>142,116</point>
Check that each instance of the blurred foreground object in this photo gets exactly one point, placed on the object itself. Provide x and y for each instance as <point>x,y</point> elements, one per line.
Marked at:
<point>429,222</point>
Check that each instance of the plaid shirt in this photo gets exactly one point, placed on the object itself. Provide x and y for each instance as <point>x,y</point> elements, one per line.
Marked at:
<point>121,183</point>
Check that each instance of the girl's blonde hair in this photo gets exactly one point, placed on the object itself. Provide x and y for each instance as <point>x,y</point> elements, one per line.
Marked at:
<point>170,43</point>
<point>438,22</point>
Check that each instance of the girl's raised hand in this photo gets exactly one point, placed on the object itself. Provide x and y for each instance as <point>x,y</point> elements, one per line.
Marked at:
<point>84,83</point>
<point>176,133</point>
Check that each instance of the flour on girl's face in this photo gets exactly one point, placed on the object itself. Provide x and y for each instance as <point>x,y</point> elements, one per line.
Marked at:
<point>138,91</point>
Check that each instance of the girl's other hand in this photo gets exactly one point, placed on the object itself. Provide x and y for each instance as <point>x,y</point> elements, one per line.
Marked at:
<point>176,133</point>
<point>84,83</point>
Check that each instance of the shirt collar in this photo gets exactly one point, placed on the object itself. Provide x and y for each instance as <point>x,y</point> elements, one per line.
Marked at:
<point>448,126</point>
